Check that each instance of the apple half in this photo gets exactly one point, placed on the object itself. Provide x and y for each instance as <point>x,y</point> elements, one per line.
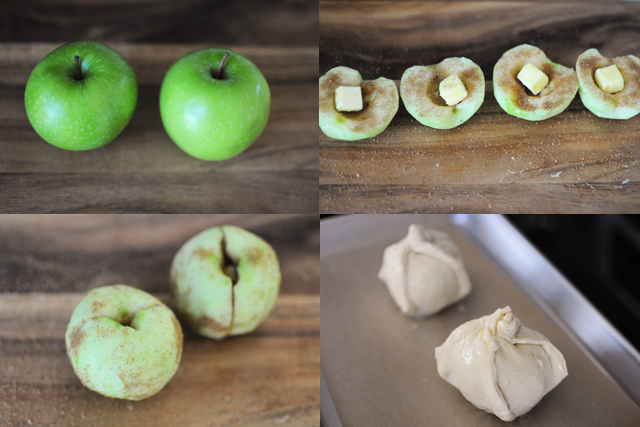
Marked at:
<point>380,105</point>
<point>517,100</point>
<point>419,89</point>
<point>224,281</point>
<point>620,105</point>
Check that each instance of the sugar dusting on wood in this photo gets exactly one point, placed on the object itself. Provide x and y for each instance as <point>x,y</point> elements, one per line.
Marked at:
<point>576,152</point>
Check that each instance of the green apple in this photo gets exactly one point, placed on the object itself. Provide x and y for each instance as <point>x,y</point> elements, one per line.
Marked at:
<point>620,105</point>
<point>224,281</point>
<point>517,100</point>
<point>81,96</point>
<point>419,89</point>
<point>214,103</point>
<point>380,104</point>
<point>123,342</point>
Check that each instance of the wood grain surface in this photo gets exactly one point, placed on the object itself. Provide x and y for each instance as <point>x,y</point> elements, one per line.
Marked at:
<point>384,38</point>
<point>75,253</point>
<point>270,376</point>
<point>277,22</point>
<point>574,162</point>
<point>142,170</point>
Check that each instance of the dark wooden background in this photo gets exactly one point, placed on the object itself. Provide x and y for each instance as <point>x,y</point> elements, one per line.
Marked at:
<point>142,170</point>
<point>256,22</point>
<point>62,253</point>
<point>574,162</point>
<point>48,263</point>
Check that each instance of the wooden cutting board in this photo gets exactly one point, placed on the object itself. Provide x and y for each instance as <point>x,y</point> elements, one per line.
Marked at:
<point>574,162</point>
<point>142,170</point>
<point>268,377</point>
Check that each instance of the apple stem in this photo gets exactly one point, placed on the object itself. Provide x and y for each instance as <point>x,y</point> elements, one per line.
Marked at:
<point>78,75</point>
<point>224,59</point>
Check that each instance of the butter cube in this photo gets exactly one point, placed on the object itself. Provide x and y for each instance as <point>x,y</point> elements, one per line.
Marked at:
<point>452,90</point>
<point>609,79</point>
<point>349,98</point>
<point>534,79</point>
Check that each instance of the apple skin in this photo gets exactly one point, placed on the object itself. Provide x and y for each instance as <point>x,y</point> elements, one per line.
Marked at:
<point>86,114</point>
<point>206,298</point>
<point>127,362</point>
<point>209,118</point>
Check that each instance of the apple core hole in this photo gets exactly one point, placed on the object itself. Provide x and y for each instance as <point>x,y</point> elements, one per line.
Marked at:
<point>229,266</point>
<point>127,322</point>
<point>433,90</point>
<point>214,73</point>
<point>125,318</point>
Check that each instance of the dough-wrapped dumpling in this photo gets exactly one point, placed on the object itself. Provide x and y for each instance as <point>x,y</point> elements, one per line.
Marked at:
<point>499,365</point>
<point>424,272</point>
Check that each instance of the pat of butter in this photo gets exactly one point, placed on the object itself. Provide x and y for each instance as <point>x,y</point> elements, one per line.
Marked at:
<point>609,79</point>
<point>534,79</point>
<point>349,98</point>
<point>452,90</point>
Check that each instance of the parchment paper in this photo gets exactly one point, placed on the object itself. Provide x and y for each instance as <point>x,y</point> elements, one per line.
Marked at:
<point>379,365</point>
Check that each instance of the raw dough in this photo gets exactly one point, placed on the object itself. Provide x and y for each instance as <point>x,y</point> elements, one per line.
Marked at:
<point>424,272</point>
<point>499,365</point>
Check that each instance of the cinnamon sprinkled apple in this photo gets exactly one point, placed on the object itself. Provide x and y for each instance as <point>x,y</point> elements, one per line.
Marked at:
<point>225,281</point>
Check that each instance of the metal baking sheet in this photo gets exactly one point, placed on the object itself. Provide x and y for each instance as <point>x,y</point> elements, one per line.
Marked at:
<point>378,366</point>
